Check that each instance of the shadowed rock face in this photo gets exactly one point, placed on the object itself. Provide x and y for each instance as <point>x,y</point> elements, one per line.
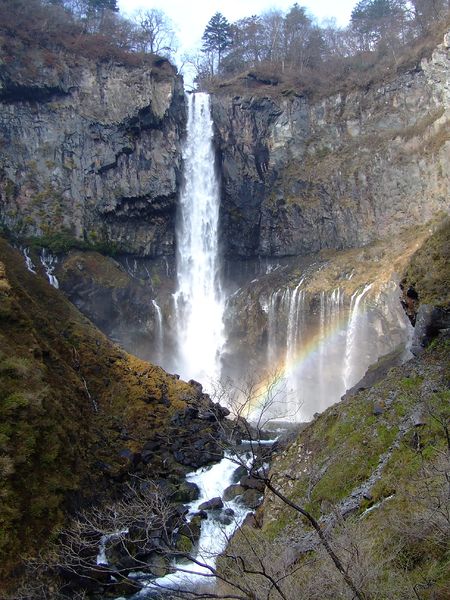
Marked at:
<point>300,175</point>
<point>95,152</point>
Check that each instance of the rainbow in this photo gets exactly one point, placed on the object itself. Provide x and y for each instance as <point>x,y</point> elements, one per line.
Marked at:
<point>306,355</point>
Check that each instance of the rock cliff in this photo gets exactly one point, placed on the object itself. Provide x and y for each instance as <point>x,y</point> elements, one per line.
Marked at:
<point>92,150</point>
<point>301,174</point>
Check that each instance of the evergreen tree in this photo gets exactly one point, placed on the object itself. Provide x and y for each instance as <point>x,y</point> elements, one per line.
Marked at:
<point>101,5</point>
<point>217,39</point>
<point>373,19</point>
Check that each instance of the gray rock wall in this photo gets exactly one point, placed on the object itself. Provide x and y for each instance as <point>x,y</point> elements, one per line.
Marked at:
<point>94,151</point>
<point>301,175</point>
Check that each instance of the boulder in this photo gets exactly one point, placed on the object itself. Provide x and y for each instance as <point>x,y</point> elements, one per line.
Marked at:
<point>186,492</point>
<point>213,504</point>
<point>239,473</point>
<point>252,483</point>
<point>232,491</point>
<point>252,498</point>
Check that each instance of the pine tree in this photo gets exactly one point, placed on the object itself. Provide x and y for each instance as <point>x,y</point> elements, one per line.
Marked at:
<point>217,38</point>
<point>102,5</point>
<point>373,19</point>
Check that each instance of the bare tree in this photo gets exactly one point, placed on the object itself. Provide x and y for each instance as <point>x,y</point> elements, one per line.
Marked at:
<point>155,32</point>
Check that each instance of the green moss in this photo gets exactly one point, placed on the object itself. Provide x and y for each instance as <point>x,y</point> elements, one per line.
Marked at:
<point>428,270</point>
<point>52,439</point>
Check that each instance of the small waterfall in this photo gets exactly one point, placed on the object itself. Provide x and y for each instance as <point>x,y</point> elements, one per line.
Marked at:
<point>295,324</point>
<point>199,302</point>
<point>28,262</point>
<point>214,536</point>
<point>49,262</point>
<point>159,337</point>
<point>351,344</point>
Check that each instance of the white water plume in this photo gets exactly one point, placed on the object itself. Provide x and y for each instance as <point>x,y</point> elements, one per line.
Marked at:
<point>199,302</point>
<point>159,333</point>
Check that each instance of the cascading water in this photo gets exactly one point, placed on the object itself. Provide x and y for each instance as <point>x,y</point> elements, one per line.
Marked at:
<point>354,324</point>
<point>49,262</point>
<point>323,345</point>
<point>199,302</point>
<point>159,333</point>
<point>214,537</point>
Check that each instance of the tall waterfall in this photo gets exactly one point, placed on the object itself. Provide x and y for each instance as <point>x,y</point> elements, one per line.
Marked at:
<point>199,301</point>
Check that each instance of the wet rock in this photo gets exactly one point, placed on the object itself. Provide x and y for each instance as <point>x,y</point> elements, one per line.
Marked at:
<point>239,473</point>
<point>232,491</point>
<point>186,492</point>
<point>202,514</point>
<point>252,483</point>
<point>192,529</point>
<point>184,544</point>
<point>252,498</point>
<point>159,564</point>
<point>213,504</point>
<point>225,519</point>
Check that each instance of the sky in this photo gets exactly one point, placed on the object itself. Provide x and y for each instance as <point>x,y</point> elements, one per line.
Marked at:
<point>190,17</point>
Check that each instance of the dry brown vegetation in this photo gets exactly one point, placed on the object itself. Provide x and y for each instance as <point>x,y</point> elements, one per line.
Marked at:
<point>333,70</point>
<point>35,36</point>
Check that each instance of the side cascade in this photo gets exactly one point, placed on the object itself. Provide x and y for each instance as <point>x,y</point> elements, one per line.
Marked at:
<point>323,343</point>
<point>159,333</point>
<point>199,300</point>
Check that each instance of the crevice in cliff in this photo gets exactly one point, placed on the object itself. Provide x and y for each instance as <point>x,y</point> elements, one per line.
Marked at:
<point>28,93</point>
<point>138,207</point>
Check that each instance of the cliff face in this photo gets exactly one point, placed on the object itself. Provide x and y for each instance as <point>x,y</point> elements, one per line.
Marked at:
<point>92,149</point>
<point>301,175</point>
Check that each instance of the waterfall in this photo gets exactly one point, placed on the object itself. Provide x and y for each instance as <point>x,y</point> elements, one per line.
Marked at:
<point>296,314</point>
<point>199,302</point>
<point>49,262</point>
<point>29,263</point>
<point>351,344</point>
<point>159,337</point>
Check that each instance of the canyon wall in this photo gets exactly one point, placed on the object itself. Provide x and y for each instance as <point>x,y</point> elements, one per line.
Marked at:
<point>92,150</point>
<point>301,174</point>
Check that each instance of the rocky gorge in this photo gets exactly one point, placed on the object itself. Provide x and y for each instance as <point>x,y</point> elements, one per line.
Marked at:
<point>326,205</point>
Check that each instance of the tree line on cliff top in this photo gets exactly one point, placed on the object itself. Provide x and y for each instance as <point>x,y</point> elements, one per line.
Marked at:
<point>278,45</point>
<point>275,46</point>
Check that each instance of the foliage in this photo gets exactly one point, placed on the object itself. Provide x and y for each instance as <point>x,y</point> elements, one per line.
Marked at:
<point>33,33</point>
<point>292,49</point>
<point>155,32</point>
<point>63,241</point>
<point>70,404</point>
<point>216,40</point>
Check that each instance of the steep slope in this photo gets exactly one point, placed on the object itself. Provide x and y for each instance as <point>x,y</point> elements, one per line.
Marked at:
<point>78,415</point>
<point>373,470</point>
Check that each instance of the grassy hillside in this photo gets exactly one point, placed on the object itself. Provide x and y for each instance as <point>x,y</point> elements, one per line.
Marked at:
<point>374,470</point>
<point>75,412</point>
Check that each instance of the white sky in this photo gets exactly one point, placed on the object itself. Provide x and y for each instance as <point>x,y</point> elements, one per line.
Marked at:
<point>191,16</point>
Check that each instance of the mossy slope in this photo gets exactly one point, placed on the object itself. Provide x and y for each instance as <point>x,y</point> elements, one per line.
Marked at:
<point>74,412</point>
